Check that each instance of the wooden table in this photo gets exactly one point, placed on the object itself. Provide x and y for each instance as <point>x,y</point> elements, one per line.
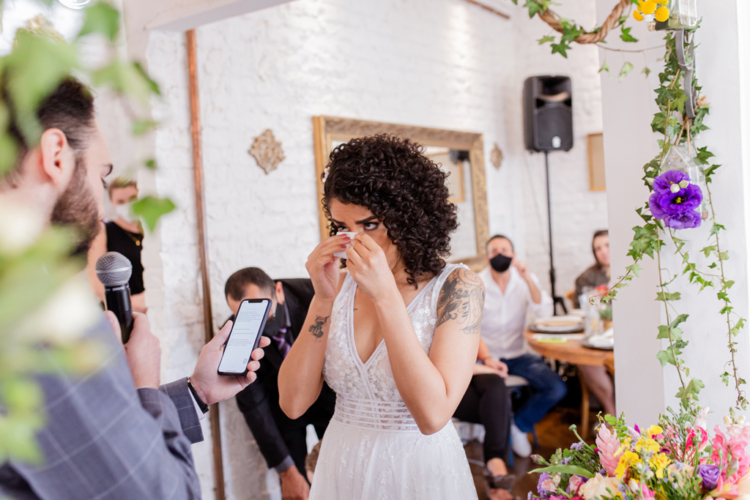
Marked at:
<point>573,352</point>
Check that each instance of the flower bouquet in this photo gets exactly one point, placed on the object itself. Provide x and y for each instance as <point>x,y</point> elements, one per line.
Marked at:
<point>673,460</point>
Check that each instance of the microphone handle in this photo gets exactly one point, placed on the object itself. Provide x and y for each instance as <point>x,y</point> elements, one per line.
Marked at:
<point>118,301</point>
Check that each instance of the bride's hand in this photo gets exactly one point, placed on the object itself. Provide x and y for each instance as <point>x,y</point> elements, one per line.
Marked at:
<point>323,266</point>
<point>369,268</point>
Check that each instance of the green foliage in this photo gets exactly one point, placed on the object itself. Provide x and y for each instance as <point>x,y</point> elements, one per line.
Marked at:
<point>101,18</point>
<point>625,70</point>
<point>150,209</point>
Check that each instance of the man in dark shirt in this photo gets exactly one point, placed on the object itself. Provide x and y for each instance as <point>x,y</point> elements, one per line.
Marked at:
<point>282,441</point>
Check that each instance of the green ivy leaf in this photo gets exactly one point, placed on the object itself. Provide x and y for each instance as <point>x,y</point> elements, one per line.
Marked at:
<point>534,7</point>
<point>626,68</point>
<point>626,36</point>
<point>546,39</point>
<point>665,296</point>
<point>150,209</point>
<point>150,164</point>
<point>605,67</point>
<point>716,228</point>
<point>560,48</point>
<point>707,250</point>
<point>141,127</point>
<point>101,18</point>
<point>634,268</point>
<point>646,71</point>
<point>703,155</point>
<point>126,79</point>
<point>666,357</point>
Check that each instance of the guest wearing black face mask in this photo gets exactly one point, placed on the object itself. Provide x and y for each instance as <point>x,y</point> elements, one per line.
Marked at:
<point>511,291</point>
<point>282,441</point>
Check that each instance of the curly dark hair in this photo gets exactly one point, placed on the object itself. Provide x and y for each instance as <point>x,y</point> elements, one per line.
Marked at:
<point>403,188</point>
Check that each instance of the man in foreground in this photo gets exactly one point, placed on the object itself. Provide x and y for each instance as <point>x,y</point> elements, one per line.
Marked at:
<point>282,441</point>
<point>112,434</point>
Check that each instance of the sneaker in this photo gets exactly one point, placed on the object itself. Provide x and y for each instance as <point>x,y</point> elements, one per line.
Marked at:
<point>519,441</point>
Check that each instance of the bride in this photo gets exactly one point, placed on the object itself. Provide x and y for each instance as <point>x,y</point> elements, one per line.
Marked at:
<point>396,336</point>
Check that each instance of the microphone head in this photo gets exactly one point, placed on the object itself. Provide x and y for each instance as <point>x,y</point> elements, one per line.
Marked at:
<point>113,269</point>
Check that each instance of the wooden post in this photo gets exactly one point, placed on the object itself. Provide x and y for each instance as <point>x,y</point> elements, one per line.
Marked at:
<point>195,118</point>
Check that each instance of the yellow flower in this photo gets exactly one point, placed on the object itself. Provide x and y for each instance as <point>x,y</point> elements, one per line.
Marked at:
<point>647,444</point>
<point>624,446</point>
<point>637,15</point>
<point>662,14</point>
<point>647,6</point>
<point>627,460</point>
<point>659,462</point>
<point>662,2</point>
<point>654,430</point>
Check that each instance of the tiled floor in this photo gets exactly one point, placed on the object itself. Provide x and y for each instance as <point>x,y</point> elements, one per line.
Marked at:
<point>553,432</point>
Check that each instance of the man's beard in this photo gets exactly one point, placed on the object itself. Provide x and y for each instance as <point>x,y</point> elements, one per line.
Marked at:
<point>78,209</point>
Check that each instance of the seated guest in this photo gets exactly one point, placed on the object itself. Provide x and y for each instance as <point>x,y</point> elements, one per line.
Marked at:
<point>487,402</point>
<point>123,235</point>
<point>282,441</point>
<point>511,291</point>
<point>114,434</point>
<point>596,378</point>
<point>598,274</point>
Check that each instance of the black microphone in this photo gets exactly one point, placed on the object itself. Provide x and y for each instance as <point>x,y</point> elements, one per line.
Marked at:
<point>114,269</point>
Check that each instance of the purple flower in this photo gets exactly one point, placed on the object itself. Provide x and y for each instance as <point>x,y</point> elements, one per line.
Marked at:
<point>677,208</point>
<point>710,475</point>
<point>687,220</point>
<point>543,492</point>
<point>663,183</point>
<point>577,446</point>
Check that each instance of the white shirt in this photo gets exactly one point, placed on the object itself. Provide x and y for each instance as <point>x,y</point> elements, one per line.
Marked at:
<point>504,317</point>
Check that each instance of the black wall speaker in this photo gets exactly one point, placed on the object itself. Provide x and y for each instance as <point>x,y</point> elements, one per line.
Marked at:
<point>548,113</point>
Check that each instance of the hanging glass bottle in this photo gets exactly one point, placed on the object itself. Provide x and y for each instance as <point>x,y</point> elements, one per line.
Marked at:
<point>679,158</point>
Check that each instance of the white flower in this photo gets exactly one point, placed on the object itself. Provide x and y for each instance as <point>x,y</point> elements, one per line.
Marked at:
<point>600,487</point>
<point>674,187</point>
<point>700,418</point>
<point>19,227</point>
<point>66,315</point>
<point>684,184</point>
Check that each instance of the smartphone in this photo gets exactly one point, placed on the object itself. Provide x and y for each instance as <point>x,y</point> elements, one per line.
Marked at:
<point>243,339</point>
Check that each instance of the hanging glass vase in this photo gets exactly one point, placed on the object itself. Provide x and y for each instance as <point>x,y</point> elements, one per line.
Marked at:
<point>679,158</point>
<point>683,14</point>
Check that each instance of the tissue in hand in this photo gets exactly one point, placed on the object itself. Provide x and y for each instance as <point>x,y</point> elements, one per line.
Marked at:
<point>342,253</point>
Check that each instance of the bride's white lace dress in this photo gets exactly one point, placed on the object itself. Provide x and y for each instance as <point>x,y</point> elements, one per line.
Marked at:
<point>372,448</point>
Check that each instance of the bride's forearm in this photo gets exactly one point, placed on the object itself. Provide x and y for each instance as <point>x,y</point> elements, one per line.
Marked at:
<point>301,373</point>
<point>419,382</point>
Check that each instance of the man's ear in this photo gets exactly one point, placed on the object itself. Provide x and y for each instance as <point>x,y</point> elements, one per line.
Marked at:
<point>58,161</point>
<point>279,293</point>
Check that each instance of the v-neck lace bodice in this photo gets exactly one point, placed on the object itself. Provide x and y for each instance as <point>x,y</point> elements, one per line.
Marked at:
<point>373,380</point>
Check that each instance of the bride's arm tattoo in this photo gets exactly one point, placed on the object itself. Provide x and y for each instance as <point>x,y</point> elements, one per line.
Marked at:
<point>317,328</point>
<point>462,300</point>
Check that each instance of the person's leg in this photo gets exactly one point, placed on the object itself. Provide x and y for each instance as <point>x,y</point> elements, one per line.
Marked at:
<point>597,380</point>
<point>548,387</point>
<point>494,414</point>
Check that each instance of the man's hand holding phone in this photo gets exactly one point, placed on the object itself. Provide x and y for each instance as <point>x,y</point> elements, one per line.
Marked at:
<point>212,387</point>
<point>144,359</point>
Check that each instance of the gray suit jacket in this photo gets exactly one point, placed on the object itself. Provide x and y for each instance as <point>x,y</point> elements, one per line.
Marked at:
<point>106,440</point>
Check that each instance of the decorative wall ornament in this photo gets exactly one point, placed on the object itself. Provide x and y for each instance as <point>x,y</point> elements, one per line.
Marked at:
<point>267,151</point>
<point>496,157</point>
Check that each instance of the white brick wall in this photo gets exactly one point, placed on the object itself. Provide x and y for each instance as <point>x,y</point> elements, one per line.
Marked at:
<point>436,63</point>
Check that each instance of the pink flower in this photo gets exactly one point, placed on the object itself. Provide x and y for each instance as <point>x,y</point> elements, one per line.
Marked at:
<point>608,446</point>
<point>575,484</point>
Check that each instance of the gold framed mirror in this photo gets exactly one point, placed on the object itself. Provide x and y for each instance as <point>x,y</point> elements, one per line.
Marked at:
<point>460,153</point>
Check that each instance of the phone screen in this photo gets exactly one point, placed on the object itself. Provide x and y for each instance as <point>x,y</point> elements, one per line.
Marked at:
<point>246,331</point>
